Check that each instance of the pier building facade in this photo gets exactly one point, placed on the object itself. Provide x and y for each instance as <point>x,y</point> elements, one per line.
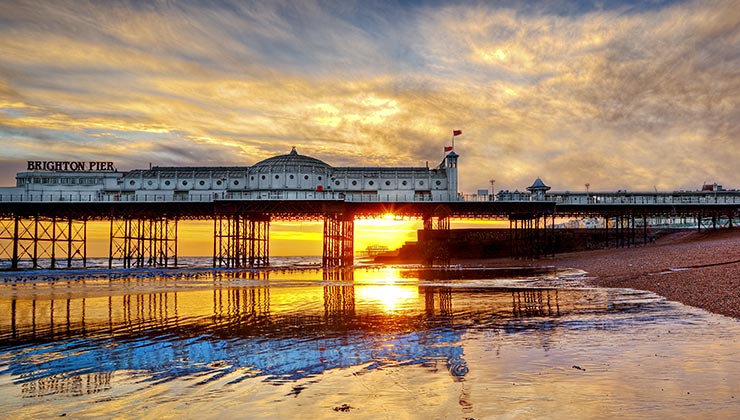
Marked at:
<point>291,176</point>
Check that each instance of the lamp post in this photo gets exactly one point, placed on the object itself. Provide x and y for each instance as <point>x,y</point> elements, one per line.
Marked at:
<point>492,181</point>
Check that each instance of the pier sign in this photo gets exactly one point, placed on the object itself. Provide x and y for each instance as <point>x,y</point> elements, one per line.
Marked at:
<point>70,166</point>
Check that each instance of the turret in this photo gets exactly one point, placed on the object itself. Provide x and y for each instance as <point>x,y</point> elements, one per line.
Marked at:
<point>451,168</point>
<point>538,190</point>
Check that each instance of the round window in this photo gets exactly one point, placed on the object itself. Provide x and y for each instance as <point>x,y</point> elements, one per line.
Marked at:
<point>263,177</point>
<point>132,182</point>
<point>292,176</point>
<point>305,177</point>
<point>404,183</point>
<point>149,182</point>
<point>371,183</point>
<point>218,182</point>
<point>167,183</point>
<point>277,176</point>
<point>236,182</point>
<point>337,182</point>
<point>438,182</point>
<point>251,178</point>
<point>421,182</point>
<point>354,182</point>
<point>184,182</point>
<point>319,178</point>
<point>387,183</point>
<point>201,183</point>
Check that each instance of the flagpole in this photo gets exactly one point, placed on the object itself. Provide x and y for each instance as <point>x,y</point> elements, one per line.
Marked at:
<point>453,140</point>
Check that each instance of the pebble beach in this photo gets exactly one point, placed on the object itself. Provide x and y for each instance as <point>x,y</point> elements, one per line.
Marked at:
<point>701,269</point>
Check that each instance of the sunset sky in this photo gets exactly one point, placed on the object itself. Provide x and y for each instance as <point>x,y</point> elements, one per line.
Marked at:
<point>617,94</point>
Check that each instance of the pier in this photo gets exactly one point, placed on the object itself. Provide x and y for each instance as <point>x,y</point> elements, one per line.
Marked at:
<point>45,216</point>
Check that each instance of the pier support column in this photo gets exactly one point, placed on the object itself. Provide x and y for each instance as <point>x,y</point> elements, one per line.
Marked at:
<point>622,225</point>
<point>9,240</point>
<point>623,230</point>
<point>226,241</point>
<point>530,236</point>
<point>241,241</point>
<point>547,240</point>
<point>143,242</point>
<point>257,230</point>
<point>435,240</point>
<point>160,242</point>
<point>522,235</point>
<point>41,239</point>
<point>644,229</point>
<point>339,238</point>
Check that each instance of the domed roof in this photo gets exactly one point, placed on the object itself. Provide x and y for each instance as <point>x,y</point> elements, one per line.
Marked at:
<point>291,161</point>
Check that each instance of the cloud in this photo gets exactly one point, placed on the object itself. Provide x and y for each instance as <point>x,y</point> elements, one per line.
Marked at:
<point>620,96</point>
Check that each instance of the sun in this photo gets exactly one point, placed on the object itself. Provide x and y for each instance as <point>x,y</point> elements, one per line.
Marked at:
<point>389,230</point>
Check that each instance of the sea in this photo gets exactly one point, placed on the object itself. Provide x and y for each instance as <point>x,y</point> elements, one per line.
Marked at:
<point>373,342</point>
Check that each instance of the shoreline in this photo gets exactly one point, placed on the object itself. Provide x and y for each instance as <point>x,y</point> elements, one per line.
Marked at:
<point>700,269</point>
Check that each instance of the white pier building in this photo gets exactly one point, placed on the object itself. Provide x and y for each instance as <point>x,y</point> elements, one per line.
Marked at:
<point>290,176</point>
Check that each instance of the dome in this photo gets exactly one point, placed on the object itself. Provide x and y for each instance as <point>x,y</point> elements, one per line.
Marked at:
<point>292,162</point>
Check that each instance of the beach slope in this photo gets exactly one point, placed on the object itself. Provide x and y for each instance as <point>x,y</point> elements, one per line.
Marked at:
<point>700,269</point>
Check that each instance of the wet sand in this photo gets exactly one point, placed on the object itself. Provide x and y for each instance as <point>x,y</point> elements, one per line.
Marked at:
<point>700,269</point>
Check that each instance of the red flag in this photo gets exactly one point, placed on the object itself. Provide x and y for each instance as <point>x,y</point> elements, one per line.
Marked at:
<point>448,148</point>
<point>456,132</point>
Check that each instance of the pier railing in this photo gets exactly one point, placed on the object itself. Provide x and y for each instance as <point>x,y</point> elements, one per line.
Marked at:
<point>678,198</point>
<point>107,197</point>
<point>595,199</point>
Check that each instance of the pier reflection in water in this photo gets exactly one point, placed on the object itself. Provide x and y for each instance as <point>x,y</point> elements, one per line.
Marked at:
<point>337,335</point>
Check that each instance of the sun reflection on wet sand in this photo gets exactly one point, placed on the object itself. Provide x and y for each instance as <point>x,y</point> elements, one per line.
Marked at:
<point>392,298</point>
<point>374,342</point>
